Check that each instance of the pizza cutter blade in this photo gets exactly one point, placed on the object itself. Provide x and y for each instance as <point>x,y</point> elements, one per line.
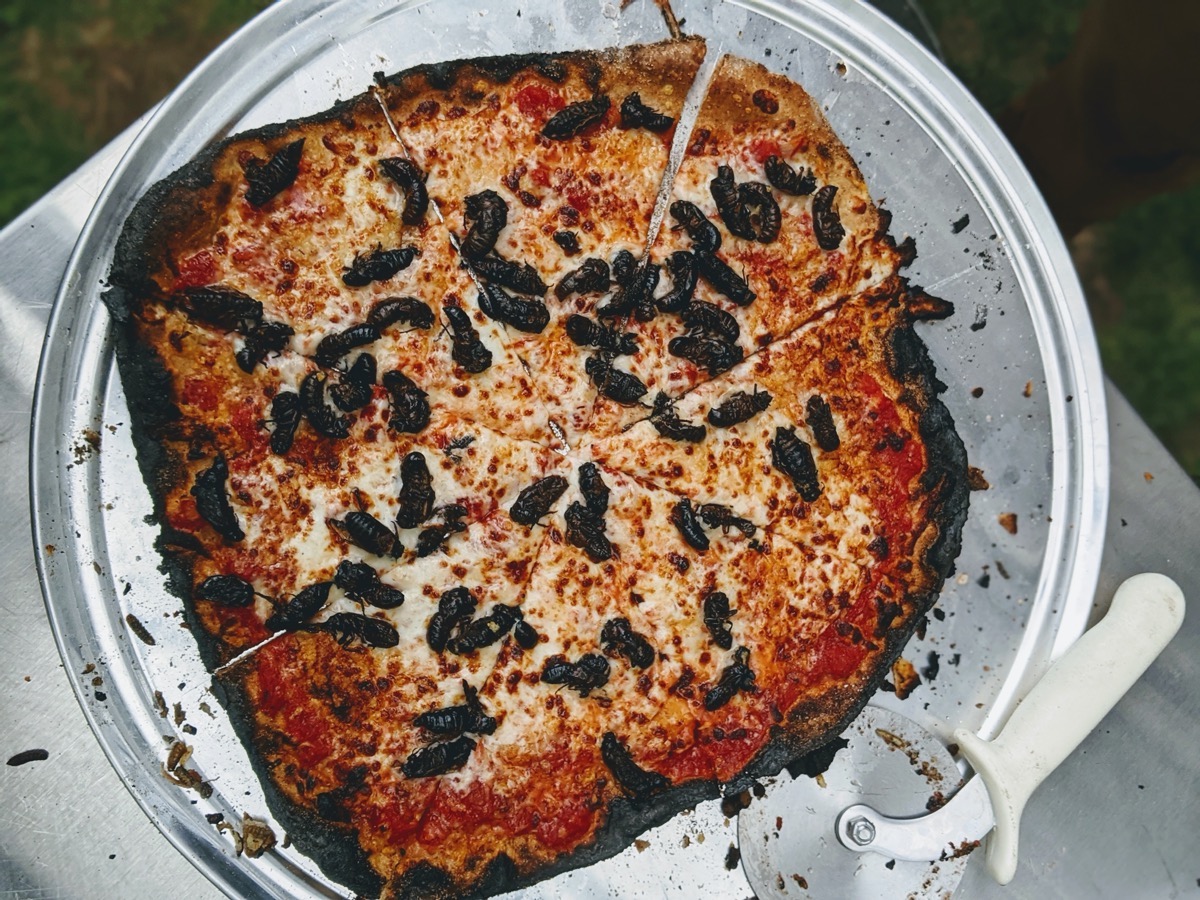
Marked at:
<point>787,840</point>
<point>864,828</point>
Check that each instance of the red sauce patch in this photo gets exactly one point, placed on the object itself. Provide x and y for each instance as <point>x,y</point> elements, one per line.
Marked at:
<point>280,677</point>
<point>398,809</point>
<point>537,102</point>
<point>761,148</point>
<point>246,418</point>
<point>517,570</point>
<point>454,812</point>
<point>202,393</point>
<point>196,270</point>
<point>835,657</point>
<point>579,197</point>
<point>310,730</point>
<point>903,461</point>
<point>185,517</point>
<point>570,822</point>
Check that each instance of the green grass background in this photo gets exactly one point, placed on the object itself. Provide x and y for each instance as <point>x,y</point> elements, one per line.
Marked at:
<point>73,73</point>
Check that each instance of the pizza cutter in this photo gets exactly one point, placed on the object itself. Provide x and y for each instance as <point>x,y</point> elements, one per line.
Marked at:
<point>864,828</point>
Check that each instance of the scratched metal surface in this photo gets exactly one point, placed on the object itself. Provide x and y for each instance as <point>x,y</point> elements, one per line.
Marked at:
<point>1045,455</point>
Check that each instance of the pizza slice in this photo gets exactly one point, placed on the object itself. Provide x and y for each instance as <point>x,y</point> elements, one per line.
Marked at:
<point>769,225</point>
<point>357,713</point>
<point>832,437</point>
<point>547,169</point>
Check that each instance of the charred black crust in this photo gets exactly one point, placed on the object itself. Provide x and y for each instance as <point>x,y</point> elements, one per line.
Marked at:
<point>332,846</point>
<point>444,76</point>
<point>945,476</point>
<point>499,69</point>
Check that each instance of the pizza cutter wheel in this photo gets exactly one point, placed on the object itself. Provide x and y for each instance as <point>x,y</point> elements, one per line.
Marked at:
<point>889,817</point>
<point>787,840</point>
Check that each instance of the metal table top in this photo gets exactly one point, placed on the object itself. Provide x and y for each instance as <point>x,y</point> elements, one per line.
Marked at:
<point>1120,819</point>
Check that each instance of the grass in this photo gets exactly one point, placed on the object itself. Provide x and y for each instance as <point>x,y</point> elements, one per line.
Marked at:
<point>73,73</point>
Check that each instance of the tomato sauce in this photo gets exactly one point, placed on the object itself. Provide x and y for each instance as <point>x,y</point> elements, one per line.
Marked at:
<point>185,516</point>
<point>281,681</point>
<point>761,148</point>
<point>537,102</point>
<point>398,808</point>
<point>246,417</point>
<point>455,811</point>
<point>310,730</point>
<point>905,463</point>
<point>571,821</point>
<point>197,270</point>
<point>835,657</point>
<point>202,393</point>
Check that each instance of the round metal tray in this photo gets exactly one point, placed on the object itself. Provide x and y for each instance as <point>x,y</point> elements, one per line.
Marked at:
<point>929,154</point>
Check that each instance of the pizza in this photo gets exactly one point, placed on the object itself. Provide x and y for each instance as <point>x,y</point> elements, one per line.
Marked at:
<point>525,482</point>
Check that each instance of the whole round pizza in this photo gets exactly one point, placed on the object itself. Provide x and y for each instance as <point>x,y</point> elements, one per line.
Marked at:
<point>531,467</point>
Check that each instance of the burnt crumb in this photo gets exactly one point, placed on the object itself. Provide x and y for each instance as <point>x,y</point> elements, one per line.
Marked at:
<point>939,614</point>
<point>101,696</point>
<point>1003,571</point>
<point>984,580</point>
<point>139,629</point>
<point>933,665</point>
<point>733,858</point>
<point>1008,521</point>
<point>257,837</point>
<point>28,756</point>
<point>189,729</point>
<point>977,392</point>
<point>214,818</point>
<point>960,224</point>
<point>890,864</point>
<point>975,479</point>
<point>980,322</point>
<point>956,659</point>
<point>817,762</point>
<point>961,850</point>
<point>732,804</point>
<point>906,679</point>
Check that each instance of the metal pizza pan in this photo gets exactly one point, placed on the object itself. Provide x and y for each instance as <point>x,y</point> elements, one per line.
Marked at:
<point>1019,357</point>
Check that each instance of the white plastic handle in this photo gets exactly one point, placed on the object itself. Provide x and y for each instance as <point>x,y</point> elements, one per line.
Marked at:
<point>1067,703</point>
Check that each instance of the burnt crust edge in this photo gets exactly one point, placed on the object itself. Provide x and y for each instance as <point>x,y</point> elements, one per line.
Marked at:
<point>334,848</point>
